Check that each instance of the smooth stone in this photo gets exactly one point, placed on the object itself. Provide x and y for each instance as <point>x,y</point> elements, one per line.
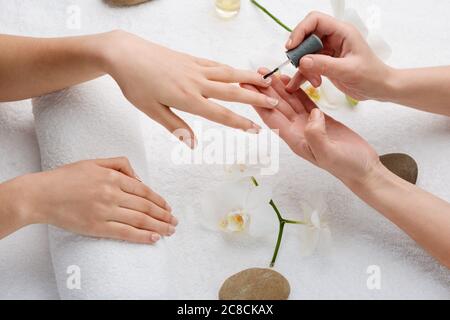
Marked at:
<point>255,284</point>
<point>124,2</point>
<point>402,165</point>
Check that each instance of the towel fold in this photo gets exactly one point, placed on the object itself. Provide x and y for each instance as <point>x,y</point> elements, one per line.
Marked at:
<point>89,121</point>
<point>26,271</point>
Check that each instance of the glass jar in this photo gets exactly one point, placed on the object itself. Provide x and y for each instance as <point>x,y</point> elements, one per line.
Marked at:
<point>228,8</point>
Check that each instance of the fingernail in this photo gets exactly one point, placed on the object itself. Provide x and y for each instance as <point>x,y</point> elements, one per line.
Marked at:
<point>174,221</point>
<point>256,127</point>
<point>267,81</point>
<point>138,178</point>
<point>171,231</point>
<point>307,63</point>
<point>190,143</point>
<point>273,102</point>
<point>168,207</point>
<point>155,237</point>
<point>289,43</point>
<point>315,114</point>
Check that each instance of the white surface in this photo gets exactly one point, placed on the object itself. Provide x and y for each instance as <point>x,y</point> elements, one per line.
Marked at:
<point>94,120</point>
<point>200,260</point>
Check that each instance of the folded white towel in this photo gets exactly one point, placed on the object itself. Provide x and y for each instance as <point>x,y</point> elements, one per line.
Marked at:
<point>90,121</point>
<point>26,271</point>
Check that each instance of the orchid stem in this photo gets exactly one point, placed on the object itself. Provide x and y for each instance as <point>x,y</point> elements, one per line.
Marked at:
<point>277,246</point>
<point>271,15</point>
<point>281,222</point>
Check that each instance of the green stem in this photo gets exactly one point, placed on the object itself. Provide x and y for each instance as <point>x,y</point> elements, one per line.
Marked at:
<point>271,15</point>
<point>281,222</point>
<point>277,246</point>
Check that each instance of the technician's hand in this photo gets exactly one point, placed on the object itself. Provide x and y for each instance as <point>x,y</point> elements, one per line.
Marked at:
<point>156,79</point>
<point>100,198</point>
<point>346,60</point>
<point>316,137</point>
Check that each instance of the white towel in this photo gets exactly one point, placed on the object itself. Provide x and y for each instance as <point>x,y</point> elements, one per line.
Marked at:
<point>26,271</point>
<point>90,121</point>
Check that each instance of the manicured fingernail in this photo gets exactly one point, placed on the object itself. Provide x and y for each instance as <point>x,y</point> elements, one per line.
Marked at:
<point>190,143</point>
<point>168,207</point>
<point>289,43</point>
<point>315,114</point>
<point>138,178</point>
<point>273,102</point>
<point>307,63</point>
<point>256,127</point>
<point>267,81</point>
<point>171,231</point>
<point>155,237</point>
<point>174,221</point>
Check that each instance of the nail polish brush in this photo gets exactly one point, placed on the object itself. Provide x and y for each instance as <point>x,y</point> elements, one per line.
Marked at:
<point>311,45</point>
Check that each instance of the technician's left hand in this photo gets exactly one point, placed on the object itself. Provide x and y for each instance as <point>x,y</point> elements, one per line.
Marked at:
<point>316,137</point>
<point>156,79</point>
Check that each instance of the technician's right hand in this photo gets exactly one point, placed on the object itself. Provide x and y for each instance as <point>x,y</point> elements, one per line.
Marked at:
<point>346,60</point>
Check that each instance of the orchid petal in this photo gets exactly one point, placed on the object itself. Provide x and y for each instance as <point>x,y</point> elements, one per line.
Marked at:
<point>338,8</point>
<point>332,96</point>
<point>263,222</point>
<point>309,238</point>
<point>258,195</point>
<point>381,48</point>
<point>352,16</point>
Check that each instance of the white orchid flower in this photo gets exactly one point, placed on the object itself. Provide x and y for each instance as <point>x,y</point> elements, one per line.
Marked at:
<point>239,208</point>
<point>328,95</point>
<point>316,234</point>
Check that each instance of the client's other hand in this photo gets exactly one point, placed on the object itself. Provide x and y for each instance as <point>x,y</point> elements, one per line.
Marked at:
<point>100,198</point>
<point>314,136</point>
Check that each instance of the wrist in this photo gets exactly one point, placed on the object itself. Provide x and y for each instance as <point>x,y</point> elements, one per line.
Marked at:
<point>378,177</point>
<point>15,198</point>
<point>390,85</point>
<point>110,50</point>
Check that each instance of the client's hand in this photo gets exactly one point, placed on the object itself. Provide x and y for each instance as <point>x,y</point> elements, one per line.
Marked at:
<point>100,198</point>
<point>155,79</point>
<point>316,137</point>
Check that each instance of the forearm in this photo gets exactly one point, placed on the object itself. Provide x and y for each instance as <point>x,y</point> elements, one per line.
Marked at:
<point>425,89</point>
<point>31,67</point>
<point>424,217</point>
<point>14,213</point>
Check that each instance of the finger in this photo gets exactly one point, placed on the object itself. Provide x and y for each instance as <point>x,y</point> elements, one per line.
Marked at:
<point>296,82</point>
<point>323,65</point>
<point>274,119</point>
<point>217,113</point>
<point>291,99</point>
<point>283,106</point>
<point>316,22</point>
<point>316,135</point>
<point>228,92</point>
<point>121,164</point>
<point>231,75</point>
<point>132,202</point>
<point>305,100</point>
<point>120,231</point>
<point>175,125</point>
<point>206,62</point>
<point>139,189</point>
<point>142,221</point>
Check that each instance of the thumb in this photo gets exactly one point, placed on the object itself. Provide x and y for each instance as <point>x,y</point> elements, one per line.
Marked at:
<point>316,134</point>
<point>322,65</point>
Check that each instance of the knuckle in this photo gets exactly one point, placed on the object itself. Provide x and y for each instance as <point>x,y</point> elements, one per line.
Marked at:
<point>141,221</point>
<point>113,176</point>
